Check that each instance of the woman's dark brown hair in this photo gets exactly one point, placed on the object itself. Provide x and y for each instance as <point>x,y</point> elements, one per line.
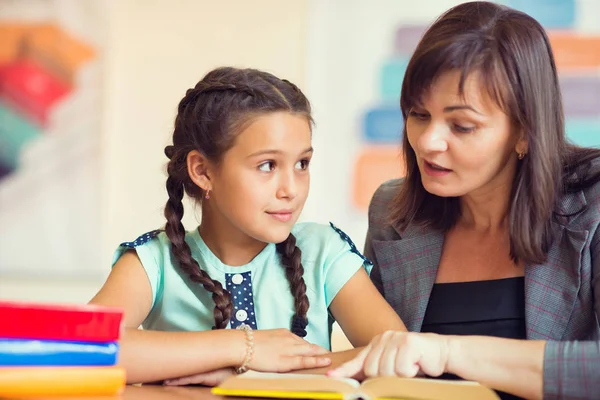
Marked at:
<point>511,54</point>
<point>209,118</point>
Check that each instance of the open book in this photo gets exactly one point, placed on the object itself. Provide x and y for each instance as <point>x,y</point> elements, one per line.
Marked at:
<point>301,386</point>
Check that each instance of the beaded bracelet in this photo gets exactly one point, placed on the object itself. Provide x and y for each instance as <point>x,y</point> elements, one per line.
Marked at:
<point>249,348</point>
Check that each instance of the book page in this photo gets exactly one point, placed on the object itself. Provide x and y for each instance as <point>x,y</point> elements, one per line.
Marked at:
<point>290,382</point>
<point>422,388</point>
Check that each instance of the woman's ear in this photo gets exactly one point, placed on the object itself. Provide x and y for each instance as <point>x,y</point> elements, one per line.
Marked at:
<point>198,167</point>
<point>522,145</point>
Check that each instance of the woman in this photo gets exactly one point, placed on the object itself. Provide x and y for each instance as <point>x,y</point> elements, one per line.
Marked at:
<point>492,237</point>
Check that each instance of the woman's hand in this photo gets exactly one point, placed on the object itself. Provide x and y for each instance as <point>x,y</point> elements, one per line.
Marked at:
<point>279,350</point>
<point>394,353</point>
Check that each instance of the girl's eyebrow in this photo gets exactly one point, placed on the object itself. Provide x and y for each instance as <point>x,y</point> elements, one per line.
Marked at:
<point>273,151</point>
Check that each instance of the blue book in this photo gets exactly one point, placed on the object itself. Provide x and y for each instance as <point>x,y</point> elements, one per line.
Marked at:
<point>18,352</point>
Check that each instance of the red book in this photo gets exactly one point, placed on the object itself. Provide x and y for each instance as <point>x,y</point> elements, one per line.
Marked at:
<point>84,323</point>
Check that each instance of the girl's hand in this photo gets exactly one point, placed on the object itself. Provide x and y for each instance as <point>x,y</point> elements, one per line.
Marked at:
<point>275,350</point>
<point>279,350</point>
<point>393,353</point>
<point>212,378</point>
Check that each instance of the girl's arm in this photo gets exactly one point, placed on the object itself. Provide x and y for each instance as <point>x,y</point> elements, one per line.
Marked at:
<point>362,313</point>
<point>149,356</point>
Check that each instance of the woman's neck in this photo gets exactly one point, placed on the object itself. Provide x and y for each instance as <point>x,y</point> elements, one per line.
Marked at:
<point>487,209</point>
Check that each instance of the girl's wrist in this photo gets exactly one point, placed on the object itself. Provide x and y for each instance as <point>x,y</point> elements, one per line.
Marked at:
<point>249,353</point>
<point>235,347</point>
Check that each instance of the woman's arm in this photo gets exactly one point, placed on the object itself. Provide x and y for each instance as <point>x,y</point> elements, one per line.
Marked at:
<point>512,366</point>
<point>149,356</point>
<point>572,369</point>
<point>530,369</point>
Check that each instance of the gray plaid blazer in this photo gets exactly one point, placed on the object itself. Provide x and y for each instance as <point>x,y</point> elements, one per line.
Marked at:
<point>562,296</point>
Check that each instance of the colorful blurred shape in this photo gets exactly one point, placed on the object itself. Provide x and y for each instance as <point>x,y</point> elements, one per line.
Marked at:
<point>581,95</point>
<point>584,132</point>
<point>575,51</point>
<point>4,171</point>
<point>407,38</point>
<point>58,51</point>
<point>383,124</point>
<point>15,133</point>
<point>11,41</point>
<point>31,89</point>
<point>374,166</point>
<point>392,75</point>
<point>552,14</point>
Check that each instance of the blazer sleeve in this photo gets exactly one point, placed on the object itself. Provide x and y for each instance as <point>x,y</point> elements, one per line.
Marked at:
<point>378,226</point>
<point>572,368</point>
<point>375,273</point>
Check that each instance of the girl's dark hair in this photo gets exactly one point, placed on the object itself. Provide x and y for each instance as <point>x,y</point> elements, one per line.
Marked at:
<point>209,118</point>
<point>511,53</point>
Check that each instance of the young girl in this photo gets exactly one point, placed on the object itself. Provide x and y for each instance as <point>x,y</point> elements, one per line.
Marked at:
<point>241,148</point>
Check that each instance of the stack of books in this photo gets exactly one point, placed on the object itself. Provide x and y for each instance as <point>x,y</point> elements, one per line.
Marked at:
<point>59,350</point>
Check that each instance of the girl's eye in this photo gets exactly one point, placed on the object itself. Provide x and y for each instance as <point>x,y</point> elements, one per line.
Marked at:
<point>302,164</point>
<point>267,166</point>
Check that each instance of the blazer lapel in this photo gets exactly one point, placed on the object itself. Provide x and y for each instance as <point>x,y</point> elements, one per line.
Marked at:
<point>408,268</point>
<point>551,288</point>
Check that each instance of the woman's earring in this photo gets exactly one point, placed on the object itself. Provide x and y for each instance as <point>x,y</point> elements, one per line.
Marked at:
<point>207,195</point>
<point>521,155</point>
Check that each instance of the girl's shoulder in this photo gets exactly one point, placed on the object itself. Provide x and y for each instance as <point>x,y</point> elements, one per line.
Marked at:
<point>152,246</point>
<point>312,237</point>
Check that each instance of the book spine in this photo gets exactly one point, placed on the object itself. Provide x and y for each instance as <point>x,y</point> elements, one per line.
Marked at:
<point>48,324</point>
<point>15,352</point>
<point>61,381</point>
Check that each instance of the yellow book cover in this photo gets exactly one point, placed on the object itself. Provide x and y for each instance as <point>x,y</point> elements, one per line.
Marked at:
<point>25,382</point>
<point>319,387</point>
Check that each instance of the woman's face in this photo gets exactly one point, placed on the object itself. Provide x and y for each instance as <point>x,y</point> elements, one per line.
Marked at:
<point>463,144</point>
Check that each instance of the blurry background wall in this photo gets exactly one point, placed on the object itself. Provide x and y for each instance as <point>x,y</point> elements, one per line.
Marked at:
<point>133,62</point>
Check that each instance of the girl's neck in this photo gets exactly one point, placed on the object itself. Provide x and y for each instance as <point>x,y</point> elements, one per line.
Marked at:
<point>229,244</point>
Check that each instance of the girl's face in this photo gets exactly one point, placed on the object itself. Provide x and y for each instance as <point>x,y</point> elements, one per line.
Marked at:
<point>261,184</point>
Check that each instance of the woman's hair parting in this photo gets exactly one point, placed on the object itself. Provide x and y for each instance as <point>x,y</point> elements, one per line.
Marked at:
<point>209,118</point>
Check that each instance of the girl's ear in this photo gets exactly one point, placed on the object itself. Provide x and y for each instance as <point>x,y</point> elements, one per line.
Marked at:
<point>198,167</point>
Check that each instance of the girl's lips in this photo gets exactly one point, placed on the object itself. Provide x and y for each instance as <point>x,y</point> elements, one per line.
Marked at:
<point>281,216</point>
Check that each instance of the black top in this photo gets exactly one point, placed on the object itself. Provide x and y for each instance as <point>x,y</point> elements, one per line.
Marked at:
<point>488,308</point>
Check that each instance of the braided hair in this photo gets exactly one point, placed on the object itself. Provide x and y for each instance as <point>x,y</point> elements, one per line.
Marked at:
<point>208,119</point>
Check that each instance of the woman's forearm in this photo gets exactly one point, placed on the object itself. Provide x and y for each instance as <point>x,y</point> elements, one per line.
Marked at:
<point>149,356</point>
<point>512,366</point>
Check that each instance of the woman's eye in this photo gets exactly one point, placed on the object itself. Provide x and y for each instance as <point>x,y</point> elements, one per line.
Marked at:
<point>419,116</point>
<point>463,129</point>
